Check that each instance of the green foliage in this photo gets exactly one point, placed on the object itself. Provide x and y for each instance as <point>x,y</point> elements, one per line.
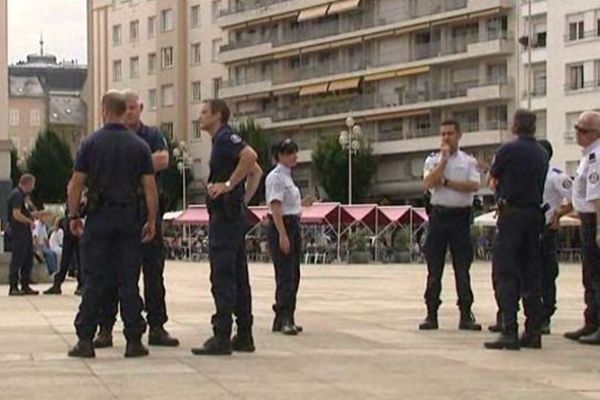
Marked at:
<point>51,163</point>
<point>402,240</point>
<point>15,169</point>
<point>255,137</point>
<point>171,180</point>
<point>359,241</point>
<point>330,163</point>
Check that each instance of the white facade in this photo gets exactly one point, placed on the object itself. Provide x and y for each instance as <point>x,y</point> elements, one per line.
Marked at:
<point>5,144</point>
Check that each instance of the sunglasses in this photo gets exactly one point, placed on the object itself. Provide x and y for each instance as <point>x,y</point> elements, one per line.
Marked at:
<point>579,129</point>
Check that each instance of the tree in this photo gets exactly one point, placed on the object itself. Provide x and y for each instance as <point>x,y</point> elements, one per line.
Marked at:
<point>171,179</point>
<point>330,164</point>
<point>15,169</point>
<point>254,136</point>
<point>51,163</point>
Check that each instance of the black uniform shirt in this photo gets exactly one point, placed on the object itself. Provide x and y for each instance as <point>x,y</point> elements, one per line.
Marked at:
<point>224,158</point>
<point>521,167</point>
<point>114,159</point>
<point>16,199</point>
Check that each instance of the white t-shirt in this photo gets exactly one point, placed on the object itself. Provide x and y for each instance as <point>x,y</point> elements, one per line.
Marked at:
<point>40,233</point>
<point>56,240</point>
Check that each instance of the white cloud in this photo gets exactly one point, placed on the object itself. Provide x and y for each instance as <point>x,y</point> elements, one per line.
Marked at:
<point>62,22</point>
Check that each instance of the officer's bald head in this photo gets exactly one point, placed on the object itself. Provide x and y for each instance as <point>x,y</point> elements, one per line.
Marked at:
<point>114,104</point>
<point>588,128</point>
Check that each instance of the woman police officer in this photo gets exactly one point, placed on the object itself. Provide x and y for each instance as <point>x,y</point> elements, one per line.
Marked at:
<point>284,234</point>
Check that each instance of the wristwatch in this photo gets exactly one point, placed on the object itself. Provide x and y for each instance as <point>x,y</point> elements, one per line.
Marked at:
<point>228,184</point>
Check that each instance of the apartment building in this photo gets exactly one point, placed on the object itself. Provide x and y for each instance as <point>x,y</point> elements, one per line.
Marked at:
<point>561,86</point>
<point>5,144</point>
<point>398,67</point>
<point>165,50</point>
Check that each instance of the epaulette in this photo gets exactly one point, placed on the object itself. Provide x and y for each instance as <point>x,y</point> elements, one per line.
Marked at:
<point>558,171</point>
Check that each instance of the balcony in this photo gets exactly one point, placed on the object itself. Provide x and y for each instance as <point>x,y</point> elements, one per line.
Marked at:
<point>419,55</point>
<point>240,13</point>
<point>538,7</point>
<point>582,87</point>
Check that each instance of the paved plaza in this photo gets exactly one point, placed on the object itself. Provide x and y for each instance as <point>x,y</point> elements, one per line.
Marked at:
<point>360,342</point>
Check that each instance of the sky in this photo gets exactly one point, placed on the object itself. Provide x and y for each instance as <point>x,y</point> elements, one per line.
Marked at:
<point>62,22</point>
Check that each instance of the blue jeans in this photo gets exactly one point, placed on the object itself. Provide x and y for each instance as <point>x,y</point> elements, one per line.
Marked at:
<point>51,260</point>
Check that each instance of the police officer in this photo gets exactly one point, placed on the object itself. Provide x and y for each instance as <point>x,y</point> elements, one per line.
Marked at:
<point>452,177</point>
<point>586,201</point>
<point>518,174</point>
<point>153,257</point>
<point>20,221</point>
<point>284,235</point>
<point>113,162</point>
<point>231,162</point>
<point>557,190</point>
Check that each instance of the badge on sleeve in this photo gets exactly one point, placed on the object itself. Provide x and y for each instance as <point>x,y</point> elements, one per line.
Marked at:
<point>567,184</point>
<point>594,178</point>
<point>235,139</point>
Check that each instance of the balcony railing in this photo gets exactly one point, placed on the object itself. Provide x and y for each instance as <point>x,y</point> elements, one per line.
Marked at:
<point>418,53</point>
<point>586,35</point>
<point>249,5</point>
<point>367,19</point>
<point>582,86</point>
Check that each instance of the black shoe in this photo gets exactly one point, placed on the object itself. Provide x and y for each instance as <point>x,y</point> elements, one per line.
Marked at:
<point>54,289</point>
<point>430,323</point>
<point>28,291</point>
<point>531,340</point>
<point>104,338</point>
<point>83,349</point>
<point>593,338</point>
<point>467,322</point>
<point>214,347</point>
<point>545,328</point>
<point>586,330</point>
<point>276,325</point>
<point>243,343</point>
<point>299,328</point>
<point>508,341</point>
<point>287,328</point>
<point>135,348</point>
<point>78,292</point>
<point>158,336</point>
<point>15,291</point>
<point>497,327</point>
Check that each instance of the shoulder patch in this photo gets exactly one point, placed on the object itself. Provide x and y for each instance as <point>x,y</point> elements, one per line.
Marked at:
<point>236,139</point>
<point>567,184</point>
<point>594,178</point>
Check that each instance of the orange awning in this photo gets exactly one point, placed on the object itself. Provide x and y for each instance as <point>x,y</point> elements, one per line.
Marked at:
<point>313,13</point>
<point>344,84</point>
<point>314,89</point>
<point>342,6</point>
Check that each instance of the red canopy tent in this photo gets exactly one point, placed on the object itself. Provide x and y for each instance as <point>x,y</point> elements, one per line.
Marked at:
<point>194,215</point>
<point>257,215</point>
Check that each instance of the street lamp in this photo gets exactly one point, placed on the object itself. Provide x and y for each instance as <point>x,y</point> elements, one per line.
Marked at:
<point>183,164</point>
<point>350,140</point>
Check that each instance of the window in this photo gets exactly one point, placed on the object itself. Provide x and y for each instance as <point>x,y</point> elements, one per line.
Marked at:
<point>496,73</point>
<point>116,35</point>
<point>497,28</point>
<point>166,20</point>
<point>468,120</point>
<point>541,39</point>
<point>570,121</point>
<point>196,53</point>
<point>13,117</point>
<point>134,67</point>
<point>539,83</point>
<point>152,99</point>
<point>576,78</point>
<point>195,16</point>
<point>134,31</point>
<point>497,117</point>
<point>216,44</point>
<point>576,30</point>
<point>166,55</point>
<point>215,10</point>
<point>167,128</point>
<point>196,92</point>
<point>151,63</point>
<point>167,95</point>
<point>117,70</point>
<point>216,87</point>
<point>196,131</point>
<point>597,73</point>
<point>151,27</point>
<point>34,118</point>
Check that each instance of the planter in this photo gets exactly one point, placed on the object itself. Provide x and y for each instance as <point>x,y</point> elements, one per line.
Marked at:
<point>360,257</point>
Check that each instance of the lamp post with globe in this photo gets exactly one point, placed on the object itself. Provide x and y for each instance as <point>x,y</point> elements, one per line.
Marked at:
<point>183,164</point>
<point>350,140</point>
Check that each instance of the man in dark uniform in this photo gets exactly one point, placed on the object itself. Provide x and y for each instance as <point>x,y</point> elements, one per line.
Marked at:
<point>113,162</point>
<point>20,220</point>
<point>231,162</point>
<point>518,175</point>
<point>153,257</point>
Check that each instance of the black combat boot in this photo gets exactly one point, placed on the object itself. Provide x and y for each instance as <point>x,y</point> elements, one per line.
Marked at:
<point>243,342</point>
<point>83,349</point>
<point>104,338</point>
<point>54,289</point>
<point>28,291</point>
<point>15,291</point>
<point>545,328</point>
<point>467,321</point>
<point>218,345</point>
<point>531,340</point>
<point>584,331</point>
<point>288,328</point>
<point>592,338</point>
<point>497,327</point>
<point>135,348</point>
<point>158,336</point>
<point>299,328</point>
<point>276,324</point>
<point>508,339</point>
<point>430,322</point>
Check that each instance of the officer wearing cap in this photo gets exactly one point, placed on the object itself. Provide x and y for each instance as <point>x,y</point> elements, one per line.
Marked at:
<point>452,177</point>
<point>284,235</point>
<point>232,163</point>
<point>586,201</point>
<point>153,257</point>
<point>113,162</point>
<point>518,175</point>
<point>557,191</point>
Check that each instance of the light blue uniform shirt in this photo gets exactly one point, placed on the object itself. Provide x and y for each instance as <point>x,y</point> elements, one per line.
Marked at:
<point>280,186</point>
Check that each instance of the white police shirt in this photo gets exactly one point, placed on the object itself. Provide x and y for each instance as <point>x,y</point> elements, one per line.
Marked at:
<point>557,188</point>
<point>460,167</point>
<point>280,186</point>
<point>587,180</point>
